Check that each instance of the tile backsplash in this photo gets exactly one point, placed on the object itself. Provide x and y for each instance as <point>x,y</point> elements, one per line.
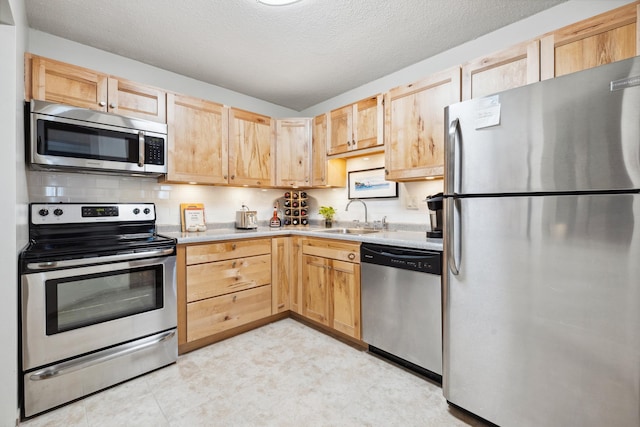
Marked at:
<point>222,202</point>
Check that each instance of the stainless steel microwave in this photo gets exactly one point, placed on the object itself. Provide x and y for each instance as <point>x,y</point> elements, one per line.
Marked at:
<point>62,137</point>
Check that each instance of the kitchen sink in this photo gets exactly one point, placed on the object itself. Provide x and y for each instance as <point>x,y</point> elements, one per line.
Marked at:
<point>349,231</point>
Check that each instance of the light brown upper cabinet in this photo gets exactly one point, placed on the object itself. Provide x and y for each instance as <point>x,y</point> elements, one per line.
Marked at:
<point>293,146</point>
<point>325,172</point>
<point>356,127</point>
<point>68,84</point>
<point>510,68</point>
<point>602,39</point>
<point>251,139</point>
<point>414,126</point>
<point>198,138</point>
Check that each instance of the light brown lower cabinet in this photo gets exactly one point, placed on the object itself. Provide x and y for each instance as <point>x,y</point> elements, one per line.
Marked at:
<point>331,284</point>
<point>221,286</point>
<point>225,288</point>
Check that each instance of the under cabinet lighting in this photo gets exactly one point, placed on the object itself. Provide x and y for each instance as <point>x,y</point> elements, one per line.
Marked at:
<point>277,2</point>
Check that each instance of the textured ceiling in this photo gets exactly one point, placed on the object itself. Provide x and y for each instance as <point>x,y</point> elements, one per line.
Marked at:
<point>295,56</point>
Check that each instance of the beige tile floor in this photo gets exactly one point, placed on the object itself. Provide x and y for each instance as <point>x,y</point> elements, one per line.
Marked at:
<point>282,374</point>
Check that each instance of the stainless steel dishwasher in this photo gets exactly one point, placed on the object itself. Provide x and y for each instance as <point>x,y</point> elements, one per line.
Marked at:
<point>402,306</point>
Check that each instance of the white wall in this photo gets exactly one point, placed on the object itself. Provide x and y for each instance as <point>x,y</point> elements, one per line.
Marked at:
<point>12,221</point>
<point>50,46</point>
<point>526,29</point>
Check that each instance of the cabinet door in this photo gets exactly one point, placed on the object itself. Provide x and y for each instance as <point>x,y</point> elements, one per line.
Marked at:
<point>281,273</point>
<point>340,130</point>
<point>197,140</point>
<point>414,126</point>
<point>602,39</point>
<point>345,292</point>
<point>315,289</point>
<point>250,148</point>
<point>514,67</point>
<point>136,100</point>
<point>62,83</point>
<point>295,286</point>
<point>325,172</point>
<point>293,143</point>
<point>369,120</point>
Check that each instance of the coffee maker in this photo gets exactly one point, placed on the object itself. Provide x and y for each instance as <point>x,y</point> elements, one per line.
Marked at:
<point>434,203</point>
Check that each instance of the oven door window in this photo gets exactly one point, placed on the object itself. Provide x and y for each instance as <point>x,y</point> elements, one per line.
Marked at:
<point>72,140</point>
<point>78,301</point>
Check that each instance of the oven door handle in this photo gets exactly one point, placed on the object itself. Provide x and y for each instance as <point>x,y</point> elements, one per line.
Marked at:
<point>102,259</point>
<point>100,357</point>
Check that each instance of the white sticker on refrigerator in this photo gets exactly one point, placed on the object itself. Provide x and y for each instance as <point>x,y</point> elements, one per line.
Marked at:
<point>488,112</point>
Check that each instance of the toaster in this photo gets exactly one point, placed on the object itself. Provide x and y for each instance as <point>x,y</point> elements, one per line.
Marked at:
<point>246,219</point>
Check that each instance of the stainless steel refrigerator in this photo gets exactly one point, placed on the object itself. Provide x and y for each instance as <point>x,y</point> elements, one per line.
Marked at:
<point>542,252</point>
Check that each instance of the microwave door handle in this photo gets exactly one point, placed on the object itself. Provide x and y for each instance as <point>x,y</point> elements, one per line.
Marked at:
<point>141,149</point>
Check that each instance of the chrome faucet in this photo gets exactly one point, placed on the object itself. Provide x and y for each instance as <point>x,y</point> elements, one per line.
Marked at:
<point>365,209</point>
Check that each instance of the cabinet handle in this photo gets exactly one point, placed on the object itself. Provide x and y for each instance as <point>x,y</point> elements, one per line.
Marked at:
<point>102,103</point>
<point>233,264</point>
<point>348,143</point>
<point>386,171</point>
<point>351,256</point>
<point>233,177</point>
<point>235,297</point>
<point>233,246</point>
<point>224,177</point>
<point>112,105</point>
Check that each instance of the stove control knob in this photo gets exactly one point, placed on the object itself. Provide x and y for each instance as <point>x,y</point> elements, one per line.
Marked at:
<point>136,211</point>
<point>43,212</point>
<point>58,212</point>
<point>147,211</point>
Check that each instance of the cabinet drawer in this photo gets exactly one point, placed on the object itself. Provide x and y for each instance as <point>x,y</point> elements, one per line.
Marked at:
<point>333,249</point>
<point>223,277</point>
<point>210,316</point>
<point>198,254</point>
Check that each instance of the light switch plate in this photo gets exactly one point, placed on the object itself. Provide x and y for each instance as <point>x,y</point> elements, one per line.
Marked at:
<point>412,202</point>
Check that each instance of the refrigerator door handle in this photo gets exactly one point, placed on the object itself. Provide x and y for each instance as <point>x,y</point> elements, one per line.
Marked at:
<point>452,179</point>
<point>453,235</point>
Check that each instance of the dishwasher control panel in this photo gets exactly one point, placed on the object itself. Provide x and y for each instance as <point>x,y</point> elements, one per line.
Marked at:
<point>404,258</point>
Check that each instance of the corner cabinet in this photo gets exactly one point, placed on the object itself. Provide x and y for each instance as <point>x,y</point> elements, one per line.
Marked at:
<point>414,126</point>
<point>251,140</point>
<point>198,136</point>
<point>293,157</point>
<point>325,172</point>
<point>331,284</point>
<point>55,81</point>
<point>507,69</point>
<point>605,38</point>
<point>221,286</point>
<point>357,126</point>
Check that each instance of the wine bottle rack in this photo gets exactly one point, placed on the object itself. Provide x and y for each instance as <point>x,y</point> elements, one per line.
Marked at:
<point>295,208</point>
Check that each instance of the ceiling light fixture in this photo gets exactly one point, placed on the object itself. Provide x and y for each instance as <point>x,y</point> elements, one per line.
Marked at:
<point>277,2</point>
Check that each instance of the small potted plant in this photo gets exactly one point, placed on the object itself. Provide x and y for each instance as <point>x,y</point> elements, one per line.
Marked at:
<point>327,212</point>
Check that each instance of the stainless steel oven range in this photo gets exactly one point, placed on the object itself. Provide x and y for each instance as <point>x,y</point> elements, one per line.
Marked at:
<point>97,300</point>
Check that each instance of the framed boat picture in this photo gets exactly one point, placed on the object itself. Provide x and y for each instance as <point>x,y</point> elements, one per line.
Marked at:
<point>371,184</point>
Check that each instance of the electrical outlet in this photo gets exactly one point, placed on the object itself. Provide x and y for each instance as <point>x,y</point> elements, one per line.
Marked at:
<point>412,202</point>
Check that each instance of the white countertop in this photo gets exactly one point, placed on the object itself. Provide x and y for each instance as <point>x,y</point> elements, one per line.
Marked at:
<point>407,239</point>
